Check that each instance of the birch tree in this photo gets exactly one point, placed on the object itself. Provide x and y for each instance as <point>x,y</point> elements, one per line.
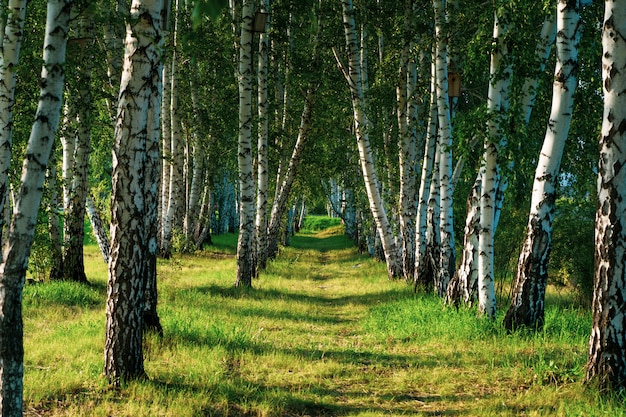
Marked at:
<point>361,124</point>
<point>464,285</point>
<point>172,220</point>
<point>245,245</point>
<point>11,43</point>
<point>423,241</point>
<point>262,144</point>
<point>407,206</point>
<point>497,105</point>
<point>446,264</point>
<point>607,344</point>
<point>130,240</point>
<point>527,303</point>
<point>22,229</point>
<point>77,181</point>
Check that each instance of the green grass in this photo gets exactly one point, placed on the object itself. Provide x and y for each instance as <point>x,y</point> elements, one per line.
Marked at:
<point>321,333</point>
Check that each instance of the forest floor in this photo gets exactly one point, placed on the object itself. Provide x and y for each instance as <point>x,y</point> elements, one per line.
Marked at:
<point>321,333</point>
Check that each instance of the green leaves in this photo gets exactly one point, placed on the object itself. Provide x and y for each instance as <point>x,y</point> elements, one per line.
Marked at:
<point>207,8</point>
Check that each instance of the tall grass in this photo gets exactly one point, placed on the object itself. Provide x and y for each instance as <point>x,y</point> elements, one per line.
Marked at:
<point>321,333</point>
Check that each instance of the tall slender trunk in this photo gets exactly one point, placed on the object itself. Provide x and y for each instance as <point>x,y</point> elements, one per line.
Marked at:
<point>74,231</point>
<point>22,229</point>
<point>262,146</point>
<point>173,221</point>
<point>407,206</point>
<point>245,251</point>
<point>192,218</point>
<point>497,105</point>
<point>151,320</point>
<point>447,252</point>
<point>98,229</point>
<point>280,203</point>
<point>131,241</point>
<point>423,271</point>
<point>527,303</point>
<point>353,77</point>
<point>607,343</point>
<point>11,43</point>
<point>166,135</point>
<point>54,227</point>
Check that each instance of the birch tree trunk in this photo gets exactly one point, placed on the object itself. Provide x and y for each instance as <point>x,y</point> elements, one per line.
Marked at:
<point>151,320</point>
<point>166,135</point>
<point>527,303</point>
<point>284,189</point>
<point>54,228</point>
<point>407,206</point>
<point>607,343</point>
<point>246,268</point>
<point>22,229</point>
<point>130,240</point>
<point>74,231</point>
<point>12,40</point>
<point>172,220</point>
<point>464,287</point>
<point>423,272</point>
<point>262,146</point>
<point>447,253</point>
<point>497,105</point>
<point>353,76</point>
<point>98,229</point>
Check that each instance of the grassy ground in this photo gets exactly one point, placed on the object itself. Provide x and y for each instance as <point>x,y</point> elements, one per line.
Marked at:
<point>322,333</point>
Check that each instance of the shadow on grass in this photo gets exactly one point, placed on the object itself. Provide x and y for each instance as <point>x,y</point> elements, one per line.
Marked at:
<point>241,397</point>
<point>369,299</point>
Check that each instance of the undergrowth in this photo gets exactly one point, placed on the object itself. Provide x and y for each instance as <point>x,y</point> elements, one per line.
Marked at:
<point>321,333</point>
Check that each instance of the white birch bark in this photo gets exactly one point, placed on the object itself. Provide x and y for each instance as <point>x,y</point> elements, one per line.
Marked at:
<point>607,342</point>
<point>447,252</point>
<point>353,76</point>
<point>245,245</point>
<point>423,272</point>
<point>262,144</point>
<point>98,229</point>
<point>22,229</point>
<point>11,42</point>
<point>172,220</point>
<point>527,303</point>
<point>497,105</point>
<point>166,138</point>
<point>198,161</point>
<point>406,151</point>
<point>131,242</point>
<point>463,287</point>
